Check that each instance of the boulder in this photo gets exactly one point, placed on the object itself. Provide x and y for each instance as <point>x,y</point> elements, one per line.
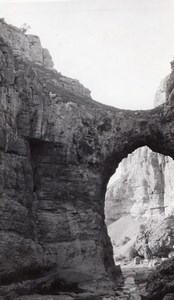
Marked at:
<point>159,234</point>
<point>169,297</point>
<point>161,281</point>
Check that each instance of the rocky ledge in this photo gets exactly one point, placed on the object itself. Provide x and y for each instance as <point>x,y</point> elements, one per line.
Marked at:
<point>58,149</point>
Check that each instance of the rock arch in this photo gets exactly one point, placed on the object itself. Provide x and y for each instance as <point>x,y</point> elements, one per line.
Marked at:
<point>58,150</point>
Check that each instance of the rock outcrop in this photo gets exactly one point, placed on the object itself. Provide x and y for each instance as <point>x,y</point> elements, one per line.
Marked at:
<point>58,149</point>
<point>161,282</point>
<point>25,46</point>
<point>146,184</point>
<point>161,93</point>
<point>144,189</point>
<point>28,48</point>
<point>160,237</point>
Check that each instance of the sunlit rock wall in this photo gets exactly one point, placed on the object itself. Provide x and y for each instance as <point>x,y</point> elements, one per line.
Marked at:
<point>25,46</point>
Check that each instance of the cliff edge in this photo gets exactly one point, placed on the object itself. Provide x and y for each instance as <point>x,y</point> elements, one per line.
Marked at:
<point>58,149</point>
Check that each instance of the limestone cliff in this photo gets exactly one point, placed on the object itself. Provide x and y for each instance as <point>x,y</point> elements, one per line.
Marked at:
<point>144,188</point>
<point>25,46</point>
<point>28,47</point>
<point>58,149</point>
<point>146,183</point>
<point>161,93</point>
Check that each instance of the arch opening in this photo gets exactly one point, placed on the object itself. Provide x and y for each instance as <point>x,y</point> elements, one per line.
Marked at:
<point>139,209</point>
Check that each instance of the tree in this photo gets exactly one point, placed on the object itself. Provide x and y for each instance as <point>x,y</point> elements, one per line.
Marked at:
<point>25,27</point>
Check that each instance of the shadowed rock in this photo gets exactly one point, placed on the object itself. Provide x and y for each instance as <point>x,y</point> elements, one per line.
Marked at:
<point>58,149</point>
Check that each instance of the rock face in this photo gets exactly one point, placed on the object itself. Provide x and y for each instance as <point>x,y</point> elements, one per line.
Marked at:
<point>28,47</point>
<point>146,185</point>
<point>161,282</point>
<point>25,46</point>
<point>159,234</point>
<point>144,189</point>
<point>161,93</point>
<point>58,149</point>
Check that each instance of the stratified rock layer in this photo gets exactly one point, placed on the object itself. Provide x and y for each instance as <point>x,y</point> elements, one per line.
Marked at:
<point>58,149</point>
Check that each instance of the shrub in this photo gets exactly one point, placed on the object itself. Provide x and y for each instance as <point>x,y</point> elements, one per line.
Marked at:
<point>132,253</point>
<point>25,27</point>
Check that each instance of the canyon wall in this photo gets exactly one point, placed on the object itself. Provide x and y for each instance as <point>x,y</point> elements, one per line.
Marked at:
<point>58,149</point>
<point>145,186</point>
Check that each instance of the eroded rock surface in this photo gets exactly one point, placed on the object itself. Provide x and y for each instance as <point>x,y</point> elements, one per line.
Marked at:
<point>160,236</point>
<point>145,186</point>
<point>25,46</point>
<point>160,284</point>
<point>144,189</point>
<point>58,149</point>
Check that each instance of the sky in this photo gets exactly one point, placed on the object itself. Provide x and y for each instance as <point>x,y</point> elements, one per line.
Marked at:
<point>119,49</point>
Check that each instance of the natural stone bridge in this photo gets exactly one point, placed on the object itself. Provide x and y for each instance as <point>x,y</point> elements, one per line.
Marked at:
<point>58,149</point>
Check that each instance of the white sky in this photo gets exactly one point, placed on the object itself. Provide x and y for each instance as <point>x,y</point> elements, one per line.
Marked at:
<point>119,49</point>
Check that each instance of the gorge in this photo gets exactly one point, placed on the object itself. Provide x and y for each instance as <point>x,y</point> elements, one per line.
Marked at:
<point>142,193</point>
<point>58,150</point>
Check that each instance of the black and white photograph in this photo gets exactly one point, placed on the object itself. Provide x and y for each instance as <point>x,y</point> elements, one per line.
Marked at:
<point>86,150</point>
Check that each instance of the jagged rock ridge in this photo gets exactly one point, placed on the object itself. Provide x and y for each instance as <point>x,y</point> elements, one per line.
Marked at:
<point>58,149</point>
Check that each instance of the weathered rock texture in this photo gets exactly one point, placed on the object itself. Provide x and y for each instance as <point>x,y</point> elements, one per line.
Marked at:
<point>25,46</point>
<point>160,236</point>
<point>161,282</point>
<point>146,183</point>
<point>28,47</point>
<point>144,189</point>
<point>58,149</point>
<point>161,93</point>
